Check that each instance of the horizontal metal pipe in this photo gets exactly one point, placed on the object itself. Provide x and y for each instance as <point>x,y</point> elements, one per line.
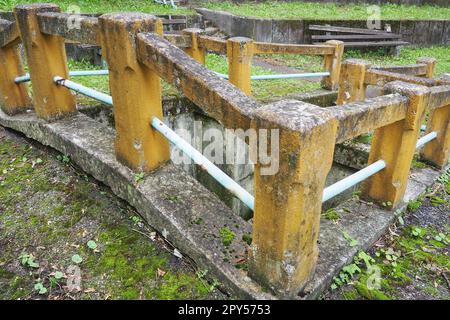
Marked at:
<point>76,73</point>
<point>204,163</point>
<point>352,180</point>
<point>425,139</point>
<point>365,173</point>
<point>282,76</point>
<point>94,94</point>
<point>290,76</point>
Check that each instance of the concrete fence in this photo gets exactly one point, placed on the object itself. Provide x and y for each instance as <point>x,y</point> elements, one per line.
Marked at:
<point>287,204</point>
<point>240,52</point>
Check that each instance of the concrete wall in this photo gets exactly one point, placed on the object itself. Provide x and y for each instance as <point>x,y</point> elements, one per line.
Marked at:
<point>417,32</point>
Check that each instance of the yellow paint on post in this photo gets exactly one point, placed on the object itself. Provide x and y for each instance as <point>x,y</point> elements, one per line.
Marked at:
<point>46,57</point>
<point>14,97</point>
<point>437,151</point>
<point>396,145</point>
<point>288,201</point>
<point>431,65</point>
<point>351,81</point>
<point>240,56</point>
<point>332,64</point>
<point>195,51</point>
<point>136,92</point>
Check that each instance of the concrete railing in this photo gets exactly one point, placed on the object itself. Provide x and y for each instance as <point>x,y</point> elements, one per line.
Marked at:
<point>240,52</point>
<point>287,203</point>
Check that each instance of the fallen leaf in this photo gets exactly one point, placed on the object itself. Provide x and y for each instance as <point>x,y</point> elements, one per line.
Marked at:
<point>160,272</point>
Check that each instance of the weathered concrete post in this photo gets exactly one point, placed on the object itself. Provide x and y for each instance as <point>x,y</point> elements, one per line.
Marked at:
<point>437,151</point>
<point>240,56</point>
<point>332,63</point>
<point>351,81</point>
<point>136,92</point>
<point>46,57</point>
<point>195,51</point>
<point>14,97</point>
<point>288,202</point>
<point>396,145</point>
<point>431,65</point>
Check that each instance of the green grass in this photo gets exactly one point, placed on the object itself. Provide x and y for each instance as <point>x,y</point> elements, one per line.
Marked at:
<point>407,56</point>
<point>100,6</point>
<point>261,89</point>
<point>264,89</point>
<point>332,11</point>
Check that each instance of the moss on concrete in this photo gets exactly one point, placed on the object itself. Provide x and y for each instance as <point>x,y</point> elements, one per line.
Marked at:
<point>51,210</point>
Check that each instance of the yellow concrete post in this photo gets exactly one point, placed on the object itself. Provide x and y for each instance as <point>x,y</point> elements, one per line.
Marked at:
<point>431,65</point>
<point>46,57</point>
<point>288,201</point>
<point>351,81</point>
<point>437,151</point>
<point>396,145</point>
<point>14,97</point>
<point>240,54</point>
<point>136,92</point>
<point>332,64</point>
<point>196,52</point>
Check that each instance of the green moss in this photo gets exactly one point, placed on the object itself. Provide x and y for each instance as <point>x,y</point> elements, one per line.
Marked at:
<point>351,294</point>
<point>13,287</point>
<point>126,263</point>
<point>371,294</point>
<point>331,214</point>
<point>413,205</point>
<point>227,236</point>
<point>247,238</point>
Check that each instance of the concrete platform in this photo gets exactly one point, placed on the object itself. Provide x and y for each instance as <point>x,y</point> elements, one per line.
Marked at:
<point>191,217</point>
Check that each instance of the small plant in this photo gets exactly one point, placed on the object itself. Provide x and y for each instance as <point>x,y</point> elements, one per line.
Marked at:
<point>441,238</point>
<point>413,205</point>
<point>386,204</point>
<point>138,177</point>
<point>28,260</point>
<point>331,214</point>
<point>391,256</point>
<point>398,214</point>
<point>92,244</point>
<point>247,238</point>
<point>227,236</point>
<point>436,201</point>
<point>137,220</point>
<point>54,278</point>
<point>76,258</point>
<point>63,158</point>
<point>418,232</point>
<point>352,242</point>
<point>39,287</point>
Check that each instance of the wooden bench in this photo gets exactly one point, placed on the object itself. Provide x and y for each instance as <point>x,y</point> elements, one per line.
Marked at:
<point>357,37</point>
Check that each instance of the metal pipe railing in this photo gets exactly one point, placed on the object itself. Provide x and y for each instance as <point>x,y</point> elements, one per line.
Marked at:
<point>282,76</point>
<point>94,94</point>
<point>425,139</point>
<point>354,179</point>
<point>76,73</point>
<point>199,159</point>
<point>221,177</point>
